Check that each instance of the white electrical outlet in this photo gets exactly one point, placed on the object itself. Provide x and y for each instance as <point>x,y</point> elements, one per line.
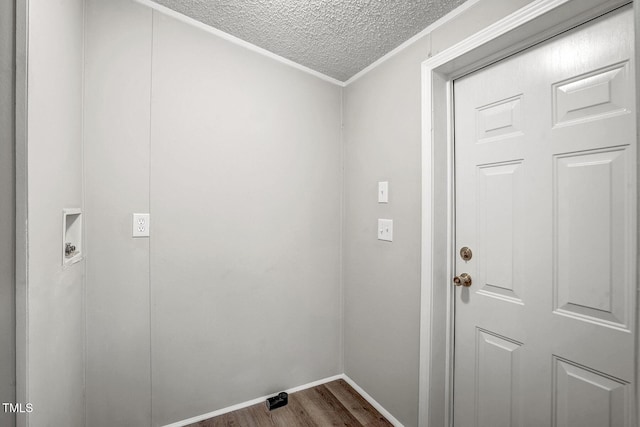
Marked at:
<point>141,225</point>
<point>385,230</point>
<point>383,192</point>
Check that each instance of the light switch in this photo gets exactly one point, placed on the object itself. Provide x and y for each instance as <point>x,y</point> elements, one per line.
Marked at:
<point>141,225</point>
<point>383,192</point>
<point>385,229</point>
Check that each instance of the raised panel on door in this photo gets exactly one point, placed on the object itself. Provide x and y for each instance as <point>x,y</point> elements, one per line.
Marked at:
<point>595,95</point>
<point>592,236</point>
<point>583,397</point>
<point>500,230</point>
<point>499,120</point>
<point>497,383</point>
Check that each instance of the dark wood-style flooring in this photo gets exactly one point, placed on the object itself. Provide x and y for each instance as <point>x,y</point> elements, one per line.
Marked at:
<point>331,404</point>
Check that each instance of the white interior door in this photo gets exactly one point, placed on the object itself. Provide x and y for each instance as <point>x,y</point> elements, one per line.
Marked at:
<point>545,160</point>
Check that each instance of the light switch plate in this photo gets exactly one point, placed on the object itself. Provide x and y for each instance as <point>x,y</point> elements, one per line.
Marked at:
<point>385,230</point>
<point>383,192</point>
<point>141,223</point>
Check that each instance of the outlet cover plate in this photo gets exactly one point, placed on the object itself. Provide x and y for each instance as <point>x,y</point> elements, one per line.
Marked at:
<point>141,223</point>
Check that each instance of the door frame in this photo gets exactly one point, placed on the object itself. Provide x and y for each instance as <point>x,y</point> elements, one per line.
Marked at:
<point>9,198</point>
<point>22,208</point>
<point>532,24</point>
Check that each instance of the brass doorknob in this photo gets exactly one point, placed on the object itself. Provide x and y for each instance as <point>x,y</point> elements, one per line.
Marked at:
<point>462,280</point>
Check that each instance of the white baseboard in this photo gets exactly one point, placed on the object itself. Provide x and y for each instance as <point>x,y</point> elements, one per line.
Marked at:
<point>372,401</point>
<point>251,402</point>
<point>257,400</point>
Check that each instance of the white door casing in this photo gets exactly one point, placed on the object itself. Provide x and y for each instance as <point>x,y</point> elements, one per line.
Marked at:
<point>545,179</point>
<point>534,23</point>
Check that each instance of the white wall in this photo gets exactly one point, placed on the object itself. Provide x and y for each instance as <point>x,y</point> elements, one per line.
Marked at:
<point>245,199</point>
<point>7,212</point>
<point>116,134</point>
<point>238,159</point>
<point>382,280</point>
<point>55,294</point>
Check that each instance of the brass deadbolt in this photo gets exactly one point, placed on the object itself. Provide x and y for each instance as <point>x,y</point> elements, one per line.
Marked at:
<point>465,253</point>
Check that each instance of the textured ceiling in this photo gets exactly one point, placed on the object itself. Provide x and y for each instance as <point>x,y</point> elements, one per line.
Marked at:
<point>335,37</point>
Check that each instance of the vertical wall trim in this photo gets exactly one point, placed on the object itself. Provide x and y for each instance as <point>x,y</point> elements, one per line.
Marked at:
<point>342,227</point>
<point>636,13</point>
<point>22,208</point>
<point>150,305</point>
<point>84,222</point>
